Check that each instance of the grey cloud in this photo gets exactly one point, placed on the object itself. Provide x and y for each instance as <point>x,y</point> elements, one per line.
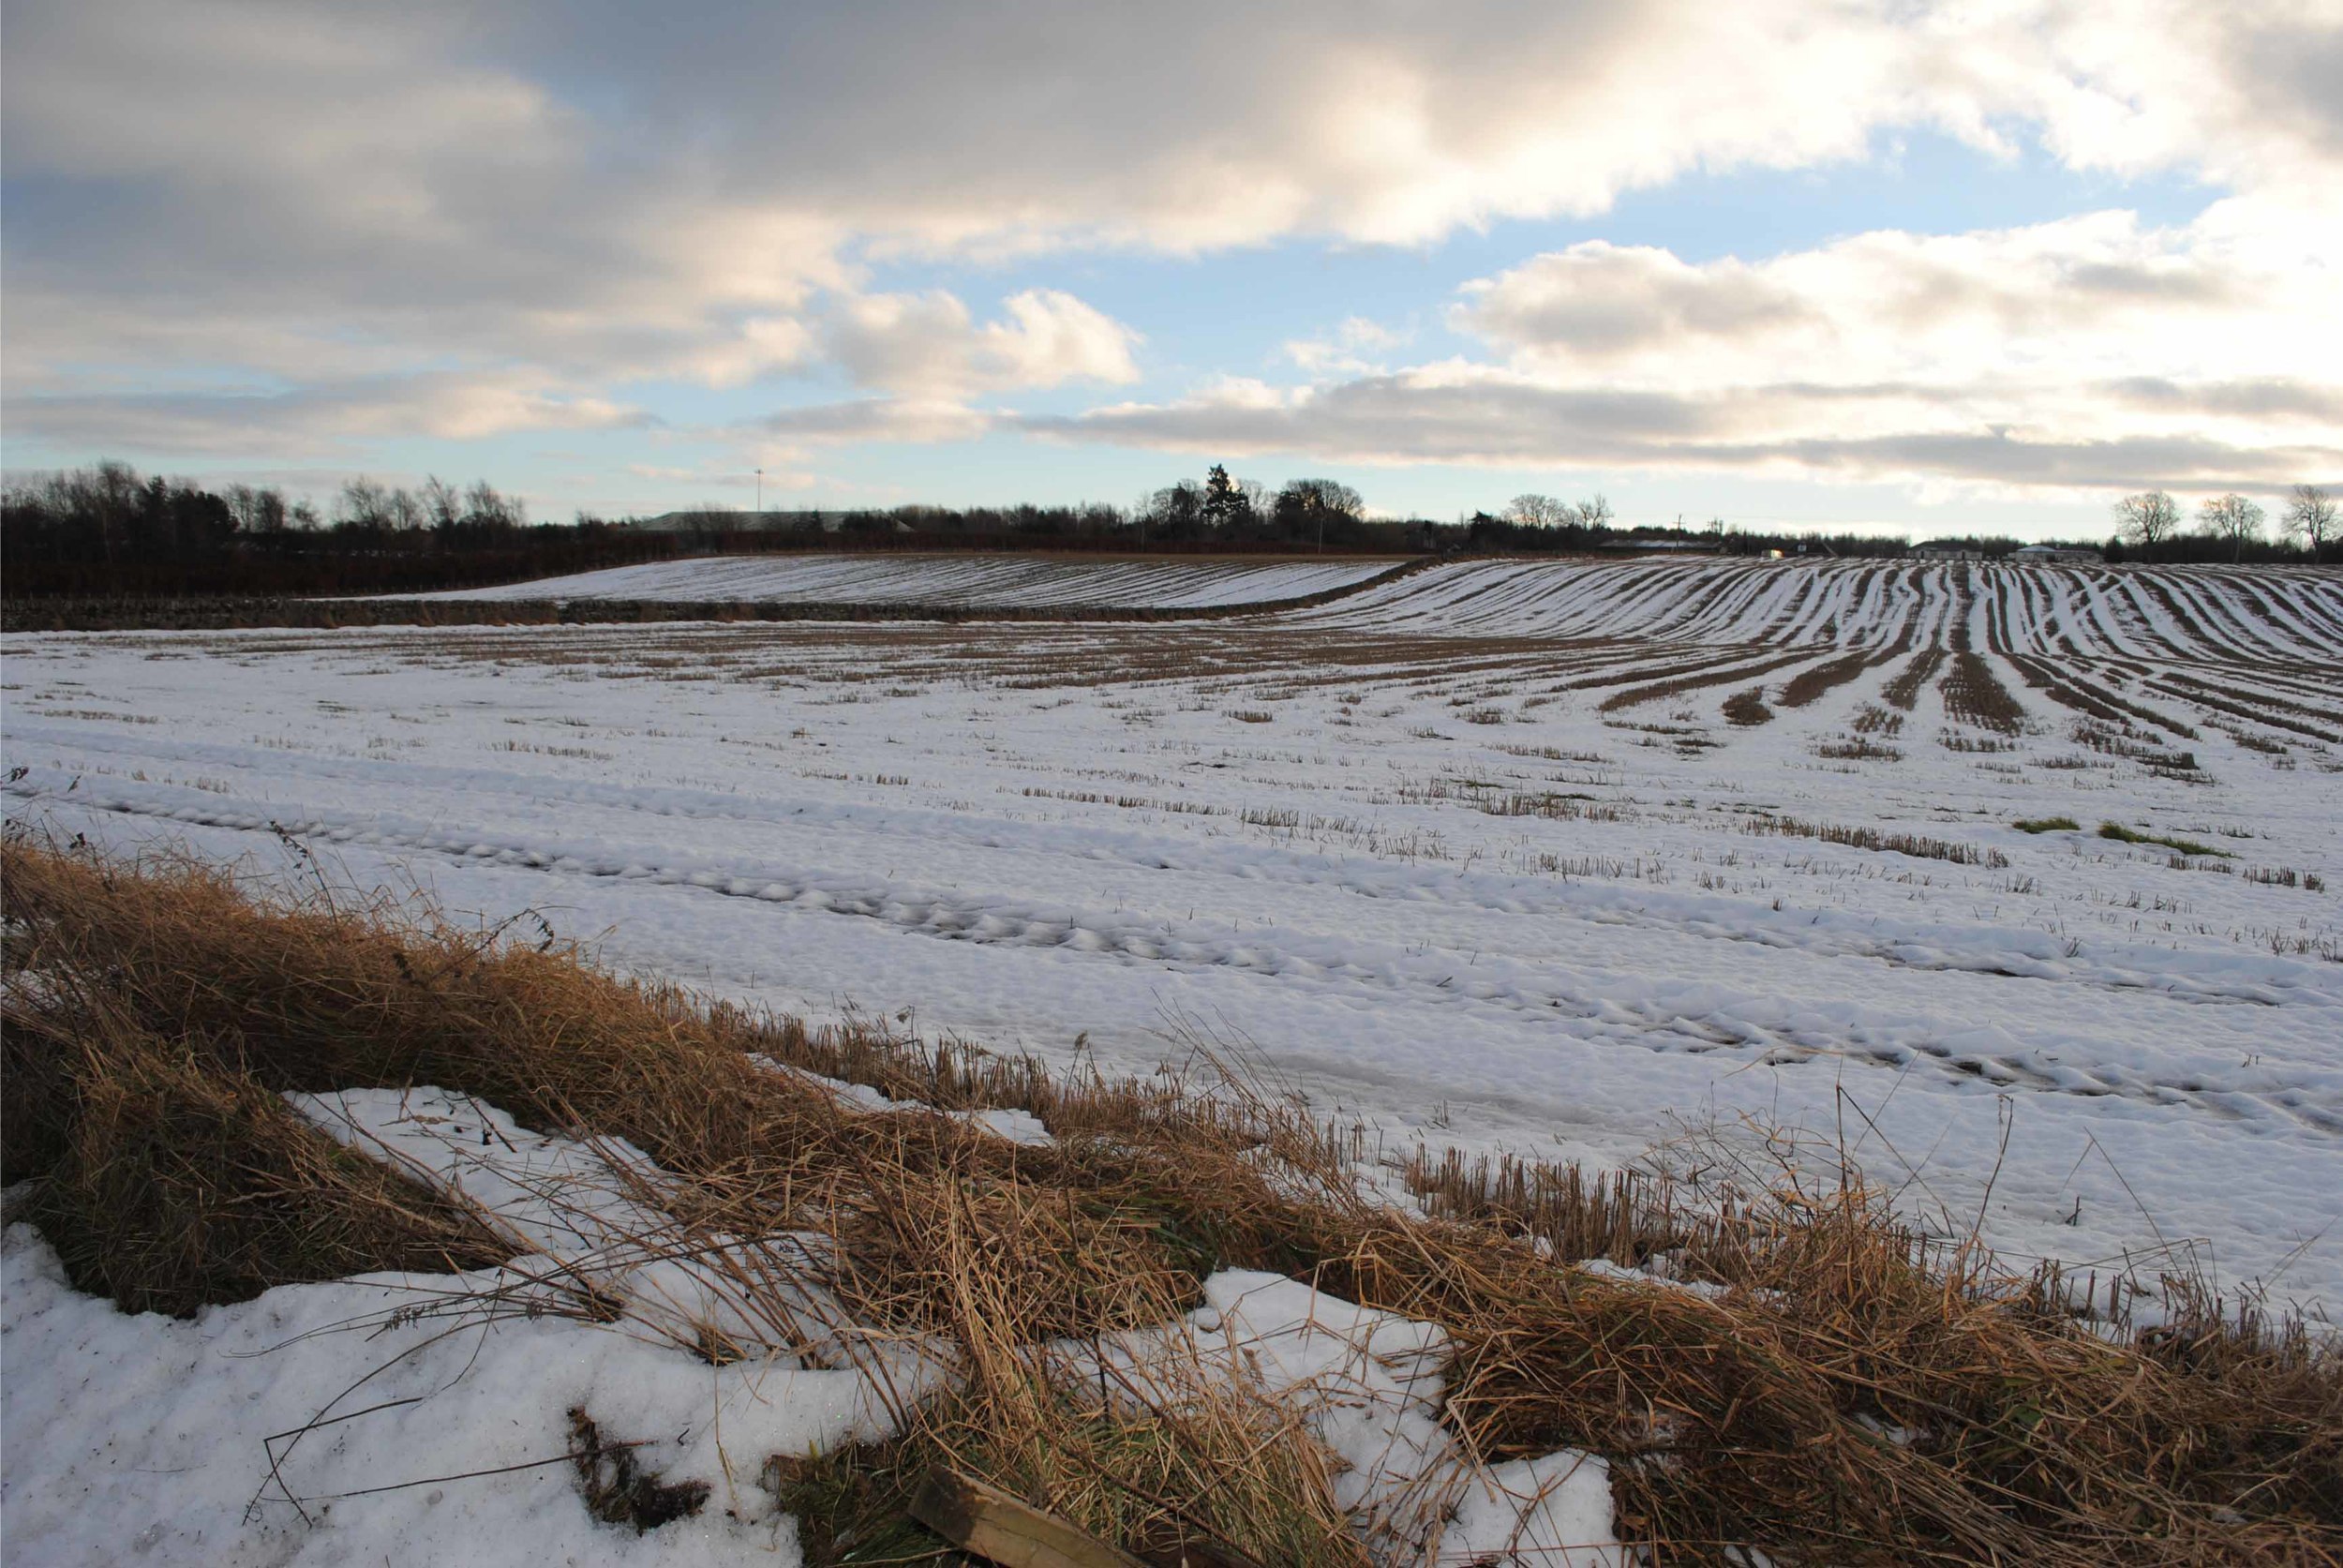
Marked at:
<point>879,419</point>
<point>320,419</point>
<point>1393,420</point>
<point>2269,399</point>
<point>1995,456</point>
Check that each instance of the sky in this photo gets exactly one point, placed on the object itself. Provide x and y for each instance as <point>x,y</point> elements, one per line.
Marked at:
<point>1980,265</point>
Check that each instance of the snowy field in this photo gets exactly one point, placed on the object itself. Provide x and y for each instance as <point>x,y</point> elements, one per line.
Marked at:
<point>1588,859</point>
<point>964,580</point>
<point>1619,861</point>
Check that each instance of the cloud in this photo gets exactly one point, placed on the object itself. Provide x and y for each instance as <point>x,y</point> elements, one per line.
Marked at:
<point>1500,421</point>
<point>2092,292</point>
<point>2013,357</point>
<point>316,419</point>
<point>557,201</point>
<point>927,345</point>
<point>1343,349</point>
<point>877,419</point>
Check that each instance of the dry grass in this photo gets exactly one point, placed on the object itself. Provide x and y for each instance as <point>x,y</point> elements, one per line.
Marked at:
<point>1917,844</point>
<point>1975,696</point>
<point>1746,709</point>
<point>167,1183</point>
<point>1904,689</point>
<point>1755,1417</point>
<point>2038,1443</point>
<point>1715,670</point>
<point>1810,685</point>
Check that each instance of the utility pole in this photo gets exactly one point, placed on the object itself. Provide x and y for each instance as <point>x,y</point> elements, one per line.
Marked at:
<point>760,498</point>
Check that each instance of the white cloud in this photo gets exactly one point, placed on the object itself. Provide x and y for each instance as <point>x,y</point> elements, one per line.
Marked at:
<point>1343,349</point>
<point>2085,296</point>
<point>926,345</point>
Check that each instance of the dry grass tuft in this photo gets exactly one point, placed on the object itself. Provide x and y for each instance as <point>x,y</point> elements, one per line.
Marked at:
<point>1772,1412</point>
<point>1748,707</point>
<point>1917,844</point>
<point>1810,685</point>
<point>166,1184</point>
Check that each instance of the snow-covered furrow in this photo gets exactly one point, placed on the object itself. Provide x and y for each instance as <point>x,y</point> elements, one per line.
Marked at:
<point>2045,611</point>
<point>946,580</point>
<point>1980,949</point>
<point>1616,1006</point>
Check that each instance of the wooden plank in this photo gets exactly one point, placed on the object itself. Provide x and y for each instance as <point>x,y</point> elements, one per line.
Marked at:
<point>992,1525</point>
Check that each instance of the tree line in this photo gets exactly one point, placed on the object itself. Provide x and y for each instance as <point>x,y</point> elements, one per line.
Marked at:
<point>108,529</point>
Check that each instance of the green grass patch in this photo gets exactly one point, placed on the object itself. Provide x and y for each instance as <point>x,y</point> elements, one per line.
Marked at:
<point>2121,834</point>
<point>2047,824</point>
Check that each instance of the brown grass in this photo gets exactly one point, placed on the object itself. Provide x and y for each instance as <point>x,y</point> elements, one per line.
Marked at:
<point>1751,1418</point>
<point>1748,707</point>
<point>1917,844</point>
<point>167,1183</point>
<point>1975,696</point>
<point>1724,667</point>
<point>1808,684</point>
<point>1904,690</point>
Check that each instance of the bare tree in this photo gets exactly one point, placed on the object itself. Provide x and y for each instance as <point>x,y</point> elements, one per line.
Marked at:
<point>257,510</point>
<point>2310,516</point>
<point>1305,504</point>
<point>1321,496</point>
<point>2149,517</point>
<point>1595,511</point>
<point>484,507</point>
<point>2232,517</point>
<point>441,502</point>
<point>362,503</point>
<point>405,512</point>
<point>1176,505</point>
<point>1536,511</point>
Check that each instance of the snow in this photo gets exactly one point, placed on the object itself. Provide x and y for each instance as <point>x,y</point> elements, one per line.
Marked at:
<point>150,1439</point>
<point>1018,1127</point>
<point>1553,1510</point>
<point>967,580</point>
<point>587,1218</point>
<point>1368,1386</point>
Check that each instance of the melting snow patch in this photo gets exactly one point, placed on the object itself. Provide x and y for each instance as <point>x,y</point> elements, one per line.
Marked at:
<point>1018,1127</point>
<point>1552,1512</point>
